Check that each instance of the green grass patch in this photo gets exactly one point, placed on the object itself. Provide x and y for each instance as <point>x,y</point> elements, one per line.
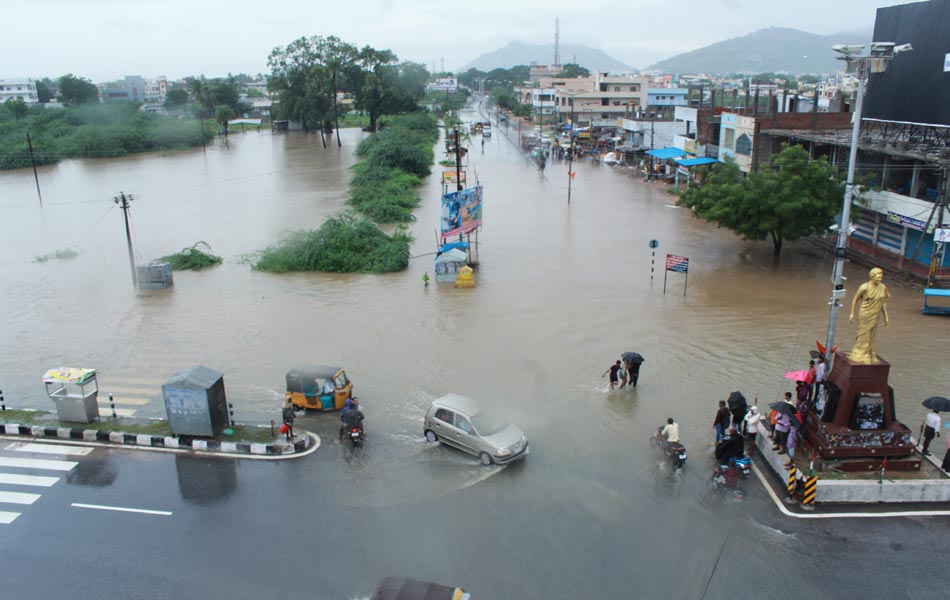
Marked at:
<point>194,258</point>
<point>61,254</point>
<point>354,120</point>
<point>343,244</point>
<point>92,131</point>
<point>23,417</point>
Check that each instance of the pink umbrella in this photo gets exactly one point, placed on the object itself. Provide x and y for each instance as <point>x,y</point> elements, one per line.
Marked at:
<point>797,375</point>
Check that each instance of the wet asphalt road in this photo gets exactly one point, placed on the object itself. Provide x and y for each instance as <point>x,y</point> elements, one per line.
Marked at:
<point>322,527</point>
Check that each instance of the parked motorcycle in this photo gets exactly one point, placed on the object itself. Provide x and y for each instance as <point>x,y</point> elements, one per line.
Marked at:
<point>725,482</point>
<point>674,452</point>
<point>744,464</point>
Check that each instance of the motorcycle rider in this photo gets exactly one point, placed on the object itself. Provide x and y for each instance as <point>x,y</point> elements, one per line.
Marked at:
<point>351,417</point>
<point>669,433</point>
<point>731,446</point>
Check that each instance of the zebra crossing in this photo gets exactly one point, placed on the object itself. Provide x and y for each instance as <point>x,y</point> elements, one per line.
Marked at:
<point>22,476</point>
<point>129,394</point>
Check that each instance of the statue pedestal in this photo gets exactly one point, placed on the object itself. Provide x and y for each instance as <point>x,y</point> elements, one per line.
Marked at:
<point>857,422</point>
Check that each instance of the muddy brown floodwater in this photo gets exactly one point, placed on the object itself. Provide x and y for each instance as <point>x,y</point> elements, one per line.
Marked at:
<point>562,290</point>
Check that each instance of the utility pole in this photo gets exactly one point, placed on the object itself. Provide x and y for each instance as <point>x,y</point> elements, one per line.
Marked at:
<point>570,155</point>
<point>458,162</point>
<point>29,143</point>
<point>124,202</point>
<point>860,64</point>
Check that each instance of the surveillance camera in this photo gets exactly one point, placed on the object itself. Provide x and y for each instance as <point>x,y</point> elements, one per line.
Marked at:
<point>881,46</point>
<point>848,50</point>
<point>851,229</point>
<point>833,227</point>
<point>902,48</point>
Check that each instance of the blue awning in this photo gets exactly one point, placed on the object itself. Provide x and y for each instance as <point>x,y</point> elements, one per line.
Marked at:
<point>692,162</point>
<point>667,152</point>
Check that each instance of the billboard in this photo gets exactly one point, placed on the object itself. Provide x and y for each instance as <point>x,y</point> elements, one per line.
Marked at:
<point>908,90</point>
<point>451,177</point>
<point>446,84</point>
<point>461,211</point>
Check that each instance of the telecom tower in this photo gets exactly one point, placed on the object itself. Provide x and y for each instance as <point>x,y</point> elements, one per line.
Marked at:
<point>557,42</point>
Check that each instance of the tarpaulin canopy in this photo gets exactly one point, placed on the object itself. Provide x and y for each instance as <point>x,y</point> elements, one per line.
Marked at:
<point>667,153</point>
<point>453,255</point>
<point>69,375</point>
<point>692,162</point>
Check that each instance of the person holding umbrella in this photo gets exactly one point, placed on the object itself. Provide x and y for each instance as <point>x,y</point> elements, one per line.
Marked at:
<point>931,429</point>
<point>738,407</point>
<point>632,362</point>
<point>783,423</point>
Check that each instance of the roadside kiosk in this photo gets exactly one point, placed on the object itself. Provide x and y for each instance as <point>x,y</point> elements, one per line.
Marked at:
<point>75,392</point>
<point>936,301</point>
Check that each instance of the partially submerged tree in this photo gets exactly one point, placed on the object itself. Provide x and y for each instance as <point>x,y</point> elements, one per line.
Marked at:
<point>223,114</point>
<point>798,197</point>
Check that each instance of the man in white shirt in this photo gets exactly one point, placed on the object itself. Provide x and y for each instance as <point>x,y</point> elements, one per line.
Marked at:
<point>670,433</point>
<point>931,429</point>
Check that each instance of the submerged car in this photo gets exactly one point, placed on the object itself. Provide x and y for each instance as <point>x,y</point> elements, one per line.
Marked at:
<point>464,423</point>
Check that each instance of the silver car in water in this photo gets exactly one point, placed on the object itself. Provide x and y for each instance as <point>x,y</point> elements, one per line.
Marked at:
<point>461,422</point>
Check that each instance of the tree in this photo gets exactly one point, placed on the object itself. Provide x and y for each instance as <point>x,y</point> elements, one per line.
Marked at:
<point>176,98</point>
<point>336,56</point>
<point>796,198</point>
<point>74,91</point>
<point>223,114</point>
<point>17,106</point>
<point>574,70</point>
<point>44,92</point>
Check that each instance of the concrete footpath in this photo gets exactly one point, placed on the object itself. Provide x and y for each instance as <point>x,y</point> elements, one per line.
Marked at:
<point>300,445</point>
<point>866,491</point>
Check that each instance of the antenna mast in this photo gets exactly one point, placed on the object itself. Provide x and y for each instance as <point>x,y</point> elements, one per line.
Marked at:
<point>557,42</point>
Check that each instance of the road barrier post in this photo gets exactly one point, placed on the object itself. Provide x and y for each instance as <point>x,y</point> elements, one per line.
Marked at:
<point>231,413</point>
<point>792,476</point>
<point>112,405</point>
<point>811,487</point>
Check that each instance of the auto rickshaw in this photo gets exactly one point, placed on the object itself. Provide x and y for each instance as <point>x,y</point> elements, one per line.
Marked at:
<point>400,588</point>
<point>318,387</point>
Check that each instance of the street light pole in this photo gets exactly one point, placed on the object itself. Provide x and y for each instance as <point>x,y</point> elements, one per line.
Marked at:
<point>881,52</point>
<point>570,155</point>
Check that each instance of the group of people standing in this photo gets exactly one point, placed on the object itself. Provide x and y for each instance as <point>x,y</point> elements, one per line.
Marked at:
<point>622,373</point>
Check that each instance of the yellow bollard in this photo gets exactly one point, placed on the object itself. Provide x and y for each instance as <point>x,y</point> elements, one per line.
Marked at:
<point>811,487</point>
<point>792,475</point>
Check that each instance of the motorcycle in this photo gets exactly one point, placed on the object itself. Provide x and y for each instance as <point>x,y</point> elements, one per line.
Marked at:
<point>725,482</point>
<point>743,464</point>
<point>355,434</point>
<point>674,452</point>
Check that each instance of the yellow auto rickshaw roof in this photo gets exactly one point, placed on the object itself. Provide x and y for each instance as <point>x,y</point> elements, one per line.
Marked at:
<point>312,371</point>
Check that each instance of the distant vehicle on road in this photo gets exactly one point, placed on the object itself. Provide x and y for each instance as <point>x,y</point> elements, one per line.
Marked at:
<point>463,423</point>
<point>486,130</point>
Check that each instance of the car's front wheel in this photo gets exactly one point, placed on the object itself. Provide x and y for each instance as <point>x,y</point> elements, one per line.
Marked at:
<point>431,436</point>
<point>485,458</point>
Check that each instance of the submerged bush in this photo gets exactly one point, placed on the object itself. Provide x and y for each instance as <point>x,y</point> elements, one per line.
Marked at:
<point>193,258</point>
<point>343,244</point>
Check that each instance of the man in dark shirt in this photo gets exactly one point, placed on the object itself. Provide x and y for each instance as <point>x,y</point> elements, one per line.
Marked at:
<point>721,423</point>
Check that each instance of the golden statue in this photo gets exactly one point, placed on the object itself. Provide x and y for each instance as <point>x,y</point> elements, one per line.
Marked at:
<point>873,297</point>
<point>466,277</point>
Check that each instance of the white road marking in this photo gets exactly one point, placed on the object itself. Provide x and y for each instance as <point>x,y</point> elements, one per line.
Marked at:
<point>854,515</point>
<point>122,412</point>
<point>135,400</point>
<point>36,463</point>
<point>18,498</point>
<point>8,517</point>
<point>164,513</point>
<point>39,448</point>
<point>34,480</point>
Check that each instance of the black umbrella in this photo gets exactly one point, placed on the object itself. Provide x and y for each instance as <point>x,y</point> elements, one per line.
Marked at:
<point>737,400</point>
<point>632,358</point>
<point>814,354</point>
<point>937,403</point>
<point>784,407</point>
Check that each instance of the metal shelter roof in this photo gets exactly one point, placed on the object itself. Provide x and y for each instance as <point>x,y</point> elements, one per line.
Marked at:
<point>667,153</point>
<point>692,162</point>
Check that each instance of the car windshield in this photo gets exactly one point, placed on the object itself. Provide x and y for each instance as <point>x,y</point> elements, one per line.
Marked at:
<point>488,424</point>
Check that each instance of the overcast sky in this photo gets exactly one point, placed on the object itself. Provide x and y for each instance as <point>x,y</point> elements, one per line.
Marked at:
<point>105,40</point>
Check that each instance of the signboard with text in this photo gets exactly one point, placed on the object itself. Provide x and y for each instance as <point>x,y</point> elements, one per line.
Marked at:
<point>445,84</point>
<point>451,177</point>
<point>461,211</point>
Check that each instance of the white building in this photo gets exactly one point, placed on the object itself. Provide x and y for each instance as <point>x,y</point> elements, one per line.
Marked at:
<point>18,88</point>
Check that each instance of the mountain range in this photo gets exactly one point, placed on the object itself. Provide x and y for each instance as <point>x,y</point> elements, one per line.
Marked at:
<point>520,53</point>
<point>776,49</point>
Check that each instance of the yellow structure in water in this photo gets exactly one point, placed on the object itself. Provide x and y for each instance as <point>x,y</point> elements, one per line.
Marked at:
<point>466,277</point>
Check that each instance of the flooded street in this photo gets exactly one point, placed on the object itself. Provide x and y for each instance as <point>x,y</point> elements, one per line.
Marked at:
<point>562,291</point>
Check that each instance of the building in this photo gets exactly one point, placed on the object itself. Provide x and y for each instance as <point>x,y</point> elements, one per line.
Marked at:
<point>22,88</point>
<point>657,97</point>
<point>132,88</point>
<point>600,99</point>
<point>538,72</point>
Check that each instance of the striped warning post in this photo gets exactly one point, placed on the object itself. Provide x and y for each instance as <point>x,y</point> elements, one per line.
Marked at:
<point>811,486</point>
<point>792,475</point>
